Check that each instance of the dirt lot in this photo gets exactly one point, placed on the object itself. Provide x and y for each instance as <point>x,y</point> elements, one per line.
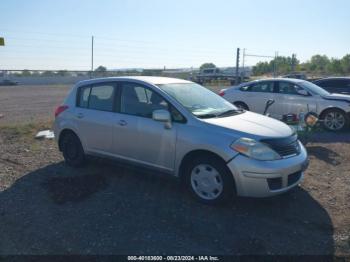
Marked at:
<point>25,104</point>
<point>49,208</point>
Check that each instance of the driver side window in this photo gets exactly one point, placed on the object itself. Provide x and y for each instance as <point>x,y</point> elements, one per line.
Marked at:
<point>289,88</point>
<point>139,101</point>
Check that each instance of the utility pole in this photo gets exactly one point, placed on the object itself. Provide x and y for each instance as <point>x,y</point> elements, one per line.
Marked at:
<point>275,65</point>
<point>2,43</point>
<point>243,64</point>
<point>237,67</point>
<point>293,62</point>
<point>92,56</point>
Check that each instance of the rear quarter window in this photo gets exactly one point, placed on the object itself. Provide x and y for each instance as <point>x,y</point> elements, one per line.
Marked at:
<point>83,96</point>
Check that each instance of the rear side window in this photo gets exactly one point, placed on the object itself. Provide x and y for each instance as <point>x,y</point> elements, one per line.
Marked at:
<point>264,87</point>
<point>323,83</point>
<point>336,83</point>
<point>100,97</point>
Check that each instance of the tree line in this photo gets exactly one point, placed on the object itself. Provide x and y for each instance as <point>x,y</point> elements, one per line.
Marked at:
<point>317,65</point>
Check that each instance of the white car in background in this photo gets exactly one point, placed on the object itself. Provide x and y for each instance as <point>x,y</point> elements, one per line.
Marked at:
<point>292,96</point>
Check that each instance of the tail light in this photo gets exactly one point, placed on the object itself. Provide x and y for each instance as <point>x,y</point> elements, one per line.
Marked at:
<point>222,93</point>
<point>60,109</point>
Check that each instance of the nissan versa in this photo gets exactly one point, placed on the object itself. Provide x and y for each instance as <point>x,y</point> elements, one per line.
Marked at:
<point>181,128</point>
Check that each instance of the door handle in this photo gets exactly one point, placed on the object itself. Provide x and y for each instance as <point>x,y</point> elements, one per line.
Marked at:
<point>80,115</point>
<point>122,123</point>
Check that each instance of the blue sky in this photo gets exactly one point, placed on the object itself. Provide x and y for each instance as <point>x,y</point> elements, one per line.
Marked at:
<point>56,34</point>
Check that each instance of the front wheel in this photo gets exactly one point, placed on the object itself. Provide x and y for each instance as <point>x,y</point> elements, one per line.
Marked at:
<point>335,120</point>
<point>209,180</point>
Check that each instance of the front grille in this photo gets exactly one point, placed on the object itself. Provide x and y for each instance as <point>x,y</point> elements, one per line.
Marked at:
<point>287,150</point>
<point>284,146</point>
<point>293,178</point>
<point>274,183</point>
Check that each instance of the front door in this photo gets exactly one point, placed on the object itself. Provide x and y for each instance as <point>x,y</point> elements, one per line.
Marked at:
<point>137,136</point>
<point>291,100</point>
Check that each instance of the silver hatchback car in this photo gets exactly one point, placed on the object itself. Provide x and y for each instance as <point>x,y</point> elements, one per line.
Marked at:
<point>183,129</point>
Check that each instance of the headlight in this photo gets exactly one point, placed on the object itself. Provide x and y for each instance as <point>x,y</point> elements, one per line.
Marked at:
<point>254,149</point>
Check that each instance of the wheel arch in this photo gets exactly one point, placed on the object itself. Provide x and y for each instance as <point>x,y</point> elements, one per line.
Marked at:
<point>196,153</point>
<point>241,102</point>
<point>324,111</point>
<point>62,134</point>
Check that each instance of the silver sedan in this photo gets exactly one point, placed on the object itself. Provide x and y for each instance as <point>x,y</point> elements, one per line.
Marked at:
<point>292,96</point>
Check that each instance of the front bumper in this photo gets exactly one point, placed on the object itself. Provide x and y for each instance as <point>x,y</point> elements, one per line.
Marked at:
<point>256,178</point>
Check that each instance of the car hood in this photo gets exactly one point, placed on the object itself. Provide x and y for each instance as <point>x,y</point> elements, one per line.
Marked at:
<point>253,124</point>
<point>339,97</point>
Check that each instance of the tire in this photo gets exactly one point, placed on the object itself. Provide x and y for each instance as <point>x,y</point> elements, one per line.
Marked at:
<point>72,150</point>
<point>215,185</point>
<point>241,105</point>
<point>335,120</point>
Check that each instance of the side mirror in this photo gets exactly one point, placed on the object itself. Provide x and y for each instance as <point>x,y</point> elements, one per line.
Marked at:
<point>303,92</point>
<point>162,115</point>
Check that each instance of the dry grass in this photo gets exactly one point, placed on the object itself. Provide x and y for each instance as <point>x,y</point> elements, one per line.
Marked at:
<point>24,133</point>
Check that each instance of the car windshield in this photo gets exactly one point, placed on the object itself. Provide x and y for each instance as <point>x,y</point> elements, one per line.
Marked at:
<point>314,88</point>
<point>200,101</point>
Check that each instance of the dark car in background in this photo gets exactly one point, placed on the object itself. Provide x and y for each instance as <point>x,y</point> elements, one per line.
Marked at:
<point>7,82</point>
<point>301,76</point>
<point>340,85</point>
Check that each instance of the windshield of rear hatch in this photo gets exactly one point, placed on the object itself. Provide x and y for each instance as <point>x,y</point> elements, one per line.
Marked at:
<point>198,100</point>
<point>314,88</point>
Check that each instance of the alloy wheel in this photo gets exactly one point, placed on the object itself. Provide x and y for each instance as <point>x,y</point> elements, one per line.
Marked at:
<point>334,121</point>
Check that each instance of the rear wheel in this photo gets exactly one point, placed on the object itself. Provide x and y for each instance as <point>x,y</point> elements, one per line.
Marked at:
<point>72,150</point>
<point>335,120</point>
<point>209,180</point>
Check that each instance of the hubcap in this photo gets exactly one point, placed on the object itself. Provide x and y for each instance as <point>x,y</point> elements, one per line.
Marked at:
<point>334,120</point>
<point>206,182</point>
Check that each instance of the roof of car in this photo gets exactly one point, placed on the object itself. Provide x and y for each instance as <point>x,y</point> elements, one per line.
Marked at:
<point>334,78</point>
<point>155,80</point>
<point>292,80</point>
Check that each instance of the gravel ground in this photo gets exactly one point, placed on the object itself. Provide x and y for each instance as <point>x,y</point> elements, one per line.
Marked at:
<point>49,208</point>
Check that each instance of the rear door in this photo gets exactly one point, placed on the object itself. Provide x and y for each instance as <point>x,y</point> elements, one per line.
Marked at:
<point>94,116</point>
<point>257,94</point>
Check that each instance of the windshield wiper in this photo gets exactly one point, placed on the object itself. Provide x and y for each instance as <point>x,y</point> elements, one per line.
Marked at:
<point>230,112</point>
<point>206,116</point>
